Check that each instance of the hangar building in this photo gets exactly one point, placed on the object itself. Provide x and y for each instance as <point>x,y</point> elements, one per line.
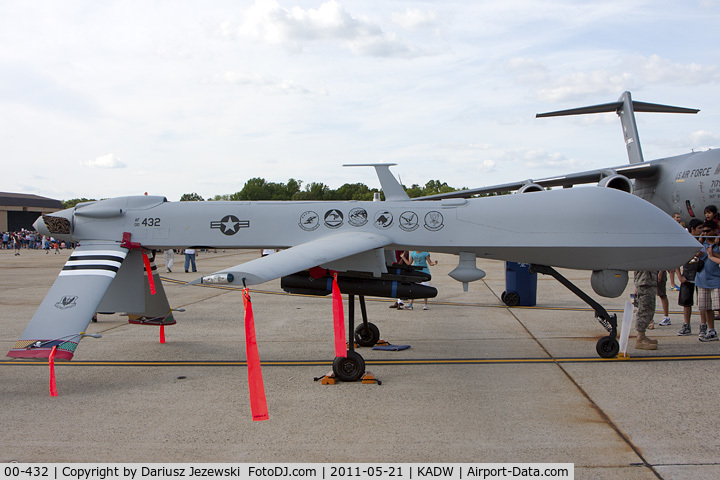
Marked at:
<point>20,210</point>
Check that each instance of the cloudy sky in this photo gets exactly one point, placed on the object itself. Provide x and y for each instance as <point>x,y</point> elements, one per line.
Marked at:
<point>102,99</point>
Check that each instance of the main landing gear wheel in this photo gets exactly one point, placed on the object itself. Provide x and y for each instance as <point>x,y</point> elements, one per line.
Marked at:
<point>350,368</point>
<point>607,347</point>
<point>367,336</point>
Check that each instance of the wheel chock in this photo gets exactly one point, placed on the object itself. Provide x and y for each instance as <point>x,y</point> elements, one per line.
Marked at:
<point>330,379</point>
<point>369,379</point>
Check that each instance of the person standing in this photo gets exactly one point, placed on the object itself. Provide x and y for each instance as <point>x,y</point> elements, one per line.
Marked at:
<point>646,288</point>
<point>686,277</point>
<point>402,257</point>
<point>190,259</point>
<point>421,259</point>
<point>662,294</point>
<point>708,281</point>
<point>169,255</point>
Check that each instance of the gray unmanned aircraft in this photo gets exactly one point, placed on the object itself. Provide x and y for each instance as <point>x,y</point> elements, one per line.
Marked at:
<point>683,184</point>
<point>603,230</point>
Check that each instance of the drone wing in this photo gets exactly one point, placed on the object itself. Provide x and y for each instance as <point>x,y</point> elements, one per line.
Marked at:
<point>342,251</point>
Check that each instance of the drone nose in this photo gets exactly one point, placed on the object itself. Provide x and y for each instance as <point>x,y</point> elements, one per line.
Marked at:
<point>40,226</point>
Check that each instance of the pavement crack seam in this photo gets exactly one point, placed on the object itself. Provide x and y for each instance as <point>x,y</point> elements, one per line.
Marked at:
<point>594,405</point>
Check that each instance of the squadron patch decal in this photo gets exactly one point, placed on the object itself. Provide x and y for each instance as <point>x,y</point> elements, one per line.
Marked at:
<point>334,218</point>
<point>309,221</point>
<point>383,219</point>
<point>358,217</point>
<point>408,221</point>
<point>230,224</point>
<point>434,221</point>
<point>68,301</point>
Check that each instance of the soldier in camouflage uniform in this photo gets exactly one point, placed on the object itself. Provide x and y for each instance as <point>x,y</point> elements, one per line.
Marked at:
<point>646,288</point>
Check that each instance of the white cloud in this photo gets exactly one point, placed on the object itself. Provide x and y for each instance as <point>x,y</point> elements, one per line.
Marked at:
<point>704,139</point>
<point>412,19</point>
<point>631,73</point>
<point>655,69</point>
<point>105,161</point>
<point>539,158</point>
<point>266,21</point>
<point>267,84</point>
<point>487,166</point>
<point>578,85</point>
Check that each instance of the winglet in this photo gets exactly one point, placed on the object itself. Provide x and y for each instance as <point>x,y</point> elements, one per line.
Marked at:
<point>390,186</point>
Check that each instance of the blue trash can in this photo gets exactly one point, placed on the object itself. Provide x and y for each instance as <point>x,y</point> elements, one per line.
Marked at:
<point>520,285</point>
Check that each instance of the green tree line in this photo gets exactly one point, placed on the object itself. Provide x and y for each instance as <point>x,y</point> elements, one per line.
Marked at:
<point>260,189</point>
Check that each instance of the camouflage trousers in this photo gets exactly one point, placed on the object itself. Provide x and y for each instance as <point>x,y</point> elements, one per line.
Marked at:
<point>646,306</point>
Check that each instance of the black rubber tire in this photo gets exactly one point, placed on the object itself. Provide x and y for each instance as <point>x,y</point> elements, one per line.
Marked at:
<point>350,368</point>
<point>511,299</point>
<point>607,347</point>
<point>367,337</point>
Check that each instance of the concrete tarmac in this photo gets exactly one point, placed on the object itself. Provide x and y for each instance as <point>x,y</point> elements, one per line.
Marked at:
<point>480,383</point>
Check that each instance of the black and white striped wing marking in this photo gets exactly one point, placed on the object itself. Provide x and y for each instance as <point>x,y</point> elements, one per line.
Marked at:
<point>94,262</point>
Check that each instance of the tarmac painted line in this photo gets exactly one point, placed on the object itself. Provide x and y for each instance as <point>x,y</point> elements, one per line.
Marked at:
<point>310,363</point>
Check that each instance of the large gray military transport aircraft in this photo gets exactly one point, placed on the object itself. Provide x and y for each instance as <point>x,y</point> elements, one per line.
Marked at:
<point>603,230</point>
<point>683,184</point>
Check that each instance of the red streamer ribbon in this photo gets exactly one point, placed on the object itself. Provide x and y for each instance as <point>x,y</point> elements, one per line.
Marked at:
<point>258,402</point>
<point>162,333</point>
<point>151,281</point>
<point>338,320</point>
<point>51,362</point>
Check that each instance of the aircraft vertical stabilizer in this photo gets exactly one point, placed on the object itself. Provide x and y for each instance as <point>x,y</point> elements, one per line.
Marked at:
<point>625,107</point>
<point>390,186</point>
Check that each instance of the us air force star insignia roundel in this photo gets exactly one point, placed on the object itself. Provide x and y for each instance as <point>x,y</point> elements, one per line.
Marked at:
<point>230,224</point>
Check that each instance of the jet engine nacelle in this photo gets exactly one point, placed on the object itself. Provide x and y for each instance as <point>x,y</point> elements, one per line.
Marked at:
<point>531,187</point>
<point>618,182</point>
<point>609,283</point>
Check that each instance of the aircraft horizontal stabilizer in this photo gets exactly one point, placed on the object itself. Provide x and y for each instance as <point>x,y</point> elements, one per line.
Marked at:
<point>616,107</point>
<point>625,107</point>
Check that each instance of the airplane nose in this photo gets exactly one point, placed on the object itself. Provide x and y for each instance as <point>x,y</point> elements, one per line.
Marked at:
<point>39,225</point>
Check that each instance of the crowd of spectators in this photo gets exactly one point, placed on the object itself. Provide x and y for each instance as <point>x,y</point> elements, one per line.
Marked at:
<point>29,239</point>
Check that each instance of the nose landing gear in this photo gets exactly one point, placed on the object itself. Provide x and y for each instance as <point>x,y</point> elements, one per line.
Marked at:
<point>606,347</point>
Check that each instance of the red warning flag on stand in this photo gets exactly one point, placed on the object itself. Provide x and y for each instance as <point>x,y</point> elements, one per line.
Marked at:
<point>51,362</point>
<point>258,402</point>
<point>148,268</point>
<point>338,319</point>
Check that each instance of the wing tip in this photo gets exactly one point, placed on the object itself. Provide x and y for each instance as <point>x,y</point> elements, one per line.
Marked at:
<point>39,348</point>
<point>40,353</point>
